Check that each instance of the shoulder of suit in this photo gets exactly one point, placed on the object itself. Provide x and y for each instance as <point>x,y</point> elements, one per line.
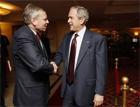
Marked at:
<point>70,33</point>
<point>97,37</point>
<point>23,32</point>
<point>96,34</point>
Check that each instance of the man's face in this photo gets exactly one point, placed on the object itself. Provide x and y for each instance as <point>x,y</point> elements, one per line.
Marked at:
<point>74,22</point>
<point>41,22</point>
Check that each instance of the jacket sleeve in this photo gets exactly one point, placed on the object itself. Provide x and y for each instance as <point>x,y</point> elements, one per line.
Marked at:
<point>59,55</point>
<point>101,65</point>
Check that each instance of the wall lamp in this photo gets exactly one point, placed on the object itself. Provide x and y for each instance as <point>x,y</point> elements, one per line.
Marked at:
<point>4,11</point>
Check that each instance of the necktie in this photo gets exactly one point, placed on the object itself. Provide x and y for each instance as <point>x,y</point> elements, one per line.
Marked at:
<point>38,37</point>
<point>39,40</point>
<point>70,75</point>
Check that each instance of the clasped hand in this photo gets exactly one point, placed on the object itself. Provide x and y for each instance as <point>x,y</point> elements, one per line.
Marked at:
<point>55,67</point>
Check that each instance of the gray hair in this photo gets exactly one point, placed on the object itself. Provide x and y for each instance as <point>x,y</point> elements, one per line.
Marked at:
<point>81,12</point>
<point>31,11</point>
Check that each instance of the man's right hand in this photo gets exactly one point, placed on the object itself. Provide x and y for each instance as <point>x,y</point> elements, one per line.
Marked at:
<point>55,67</point>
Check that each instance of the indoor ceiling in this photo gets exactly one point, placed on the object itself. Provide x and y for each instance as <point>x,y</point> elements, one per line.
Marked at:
<point>103,13</point>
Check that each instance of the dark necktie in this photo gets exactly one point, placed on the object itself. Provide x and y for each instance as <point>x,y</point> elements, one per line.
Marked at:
<point>37,35</point>
<point>70,75</point>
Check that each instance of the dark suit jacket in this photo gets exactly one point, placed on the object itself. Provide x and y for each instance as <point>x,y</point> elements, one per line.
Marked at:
<point>91,68</point>
<point>32,69</point>
<point>4,55</point>
<point>4,44</point>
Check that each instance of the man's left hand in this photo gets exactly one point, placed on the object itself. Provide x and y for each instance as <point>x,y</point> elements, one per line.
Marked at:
<point>98,100</point>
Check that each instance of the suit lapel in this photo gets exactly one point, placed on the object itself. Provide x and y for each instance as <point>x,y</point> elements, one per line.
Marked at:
<point>33,35</point>
<point>44,49</point>
<point>38,43</point>
<point>67,48</point>
<point>36,40</point>
<point>84,46</point>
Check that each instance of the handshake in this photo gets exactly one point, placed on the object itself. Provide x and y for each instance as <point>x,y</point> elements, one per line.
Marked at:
<point>55,67</point>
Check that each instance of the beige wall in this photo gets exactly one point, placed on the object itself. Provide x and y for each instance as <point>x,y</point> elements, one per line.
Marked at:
<point>52,37</point>
<point>62,28</point>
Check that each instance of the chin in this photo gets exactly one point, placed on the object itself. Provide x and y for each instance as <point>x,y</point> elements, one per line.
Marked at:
<point>44,30</point>
<point>71,29</point>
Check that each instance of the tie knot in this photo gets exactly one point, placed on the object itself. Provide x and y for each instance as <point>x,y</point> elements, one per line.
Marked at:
<point>37,35</point>
<point>76,35</point>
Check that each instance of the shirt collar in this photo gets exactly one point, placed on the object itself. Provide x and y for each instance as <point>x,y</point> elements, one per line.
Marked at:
<point>81,32</point>
<point>33,31</point>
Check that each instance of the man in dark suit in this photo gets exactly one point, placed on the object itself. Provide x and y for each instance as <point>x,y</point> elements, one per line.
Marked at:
<point>87,87</point>
<point>4,56</point>
<point>31,61</point>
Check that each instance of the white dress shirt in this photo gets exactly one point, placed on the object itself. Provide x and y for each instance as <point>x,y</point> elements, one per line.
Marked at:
<point>79,40</point>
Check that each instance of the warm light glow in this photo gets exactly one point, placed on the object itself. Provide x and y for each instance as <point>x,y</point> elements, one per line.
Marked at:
<point>93,29</point>
<point>4,11</point>
<point>114,32</point>
<point>136,33</point>
<point>106,32</point>
<point>10,6</point>
<point>5,6</point>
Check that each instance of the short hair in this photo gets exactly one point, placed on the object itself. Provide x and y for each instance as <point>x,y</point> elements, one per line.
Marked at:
<point>81,12</point>
<point>31,11</point>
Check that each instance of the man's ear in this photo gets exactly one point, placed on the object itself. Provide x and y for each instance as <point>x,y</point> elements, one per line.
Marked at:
<point>33,21</point>
<point>82,20</point>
